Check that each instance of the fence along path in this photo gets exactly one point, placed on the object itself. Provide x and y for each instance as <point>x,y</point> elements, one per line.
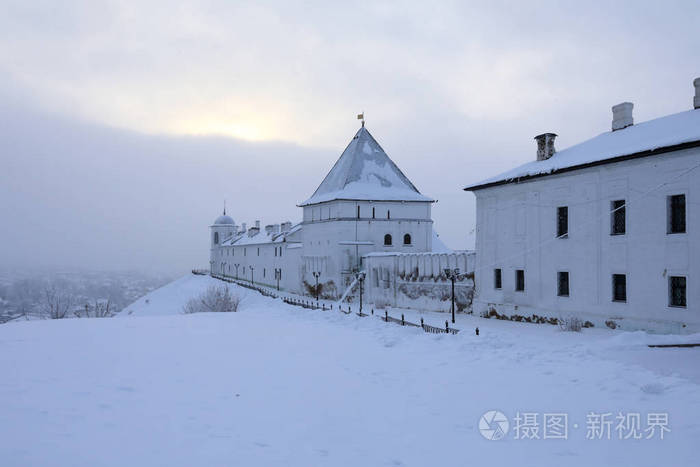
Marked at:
<point>310,303</point>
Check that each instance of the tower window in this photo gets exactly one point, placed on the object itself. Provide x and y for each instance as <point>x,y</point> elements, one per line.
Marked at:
<point>387,240</point>
<point>617,217</point>
<point>358,212</point>
<point>258,251</point>
<point>388,214</point>
<point>497,279</point>
<point>216,238</point>
<point>519,280</point>
<point>407,239</point>
<point>373,209</point>
<point>562,222</point>
<point>677,291</point>
<point>619,287</point>
<point>563,283</point>
<point>676,214</point>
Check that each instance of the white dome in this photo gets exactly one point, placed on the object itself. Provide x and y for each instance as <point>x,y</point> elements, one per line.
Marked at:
<point>224,220</point>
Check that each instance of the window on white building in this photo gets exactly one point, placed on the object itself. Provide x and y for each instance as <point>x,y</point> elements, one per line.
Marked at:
<point>676,214</point>
<point>216,238</point>
<point>407,239</point>
<point>617,217</point>
<point>677,291</point>
<point>619,288</point>
<point>563,283</point>
<point>387,240</point>
<point>519,280</point>
<point>497,279</point>
<point>562,222</point>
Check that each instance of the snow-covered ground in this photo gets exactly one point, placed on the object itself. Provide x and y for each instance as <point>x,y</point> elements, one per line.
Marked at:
<point>280,385</point>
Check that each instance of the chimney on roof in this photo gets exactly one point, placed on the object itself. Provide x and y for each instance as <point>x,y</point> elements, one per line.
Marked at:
<point>257,225</point>
<point>545,146</point>
<point>286,226</point>
<point>696,101</point>
<point>622,116</point>
<point>269,229</point>
<point>243,227</point>
<point>276,229</point>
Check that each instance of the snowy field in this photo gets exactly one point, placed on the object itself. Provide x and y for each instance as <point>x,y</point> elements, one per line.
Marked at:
<point>276,385</point>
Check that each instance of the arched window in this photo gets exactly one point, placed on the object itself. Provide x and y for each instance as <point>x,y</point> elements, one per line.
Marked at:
<point>216,238</point>
<point>387,240</point>
<point>407,239</point>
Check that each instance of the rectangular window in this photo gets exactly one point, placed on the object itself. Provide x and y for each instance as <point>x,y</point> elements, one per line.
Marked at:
<point>617,217</point>
<point>373,213</point>
<point>676,214</point>
<point>519,280</point>
<point>563,283</point>
<point>497,279</point>
<point>358,212</point>
<point>258,251</point>
<point>619,285</point>
<point>677,291</point>
<point>263,272</point>
<point>245,251</point>
<point>562,222</point>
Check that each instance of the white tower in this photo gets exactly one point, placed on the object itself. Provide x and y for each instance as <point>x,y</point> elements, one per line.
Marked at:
<point>222,229</point>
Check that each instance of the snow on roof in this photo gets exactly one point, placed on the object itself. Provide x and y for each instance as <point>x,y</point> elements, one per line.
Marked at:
<point>260,237</point>
<point>662,132</point>
<point>365,172</point>
<point>224,220</point>
<point>438,245</point>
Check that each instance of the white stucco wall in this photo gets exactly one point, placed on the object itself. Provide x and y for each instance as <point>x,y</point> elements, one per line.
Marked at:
<point>516,229</point>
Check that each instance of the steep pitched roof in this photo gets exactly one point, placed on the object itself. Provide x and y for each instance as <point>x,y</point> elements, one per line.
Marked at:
<point>639,140</point>
<point>365,172</point>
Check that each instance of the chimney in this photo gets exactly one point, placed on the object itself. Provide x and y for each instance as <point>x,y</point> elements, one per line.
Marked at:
<point>545,146</point>
<point>243,227</point>
<point>622,116</point>
<point>269,229</point>
<point>286,226</point>
<point>276,229</point>
<point>257,225</point>
<point>696,101</point>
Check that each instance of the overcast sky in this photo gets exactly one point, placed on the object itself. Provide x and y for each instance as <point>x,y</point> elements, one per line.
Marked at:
<point>125,125</point>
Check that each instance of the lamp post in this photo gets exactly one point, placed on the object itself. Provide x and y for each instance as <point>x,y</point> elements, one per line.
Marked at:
<point>316,274</point>
<point>237,265</point>
<point>360,276</point>
<point>211,267</point>
<point>452,275</point>
<point>252,271</point>
<point>278,276</point>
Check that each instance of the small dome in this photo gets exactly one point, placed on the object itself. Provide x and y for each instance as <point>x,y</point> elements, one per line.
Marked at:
<point>224,220</point>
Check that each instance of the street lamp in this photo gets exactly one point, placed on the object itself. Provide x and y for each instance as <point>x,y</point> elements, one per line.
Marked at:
<point>360,276</point>
<point>278,276</point>
<point>316,274</point>
<point>237,265</point>
<point>252,271</point>
<point>452,275</point>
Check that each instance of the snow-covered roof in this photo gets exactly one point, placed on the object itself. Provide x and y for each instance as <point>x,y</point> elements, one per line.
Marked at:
<point>365,172</point>
<point>224,220</point>
<point>638,140</point>
<point>260,237</point>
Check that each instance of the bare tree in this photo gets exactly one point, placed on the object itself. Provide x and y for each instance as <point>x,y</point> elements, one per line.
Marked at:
<point>56,303</point>
<point>215,299</point>
<point>99,309</point>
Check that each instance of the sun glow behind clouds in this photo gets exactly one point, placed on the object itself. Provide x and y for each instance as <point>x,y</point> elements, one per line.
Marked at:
<point>251,130</point>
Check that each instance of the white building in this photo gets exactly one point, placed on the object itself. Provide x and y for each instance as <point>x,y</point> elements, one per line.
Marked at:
<point>607,230</point>
<point>364,205</point>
